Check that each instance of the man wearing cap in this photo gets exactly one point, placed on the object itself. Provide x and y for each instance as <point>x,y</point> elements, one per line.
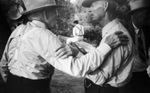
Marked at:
<point>78,32</point>
<point>115,70</point>
<point>140,20</point>
<point>31,47</point>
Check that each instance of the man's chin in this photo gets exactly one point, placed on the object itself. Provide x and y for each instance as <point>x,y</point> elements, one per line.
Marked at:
<point>95,19</point>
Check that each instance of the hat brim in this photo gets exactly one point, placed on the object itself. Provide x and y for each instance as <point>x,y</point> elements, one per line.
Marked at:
<point>39,8</point>
<point>138,9</point>
<point>88,3</point>
<point>75,21</point>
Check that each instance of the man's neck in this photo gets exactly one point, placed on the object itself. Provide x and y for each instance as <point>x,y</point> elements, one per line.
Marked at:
<point>105,20</point>
<point>39,23</point>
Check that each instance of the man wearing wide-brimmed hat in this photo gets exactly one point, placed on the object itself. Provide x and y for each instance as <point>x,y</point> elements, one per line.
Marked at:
<point>25,63</point>
<point>29,47</point>
<point>140,22</point>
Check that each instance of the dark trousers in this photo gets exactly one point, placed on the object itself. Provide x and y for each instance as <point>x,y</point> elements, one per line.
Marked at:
<point>139,83</point>
<point>2,84</point>
<point>90,87</point>
<point>17,84</point>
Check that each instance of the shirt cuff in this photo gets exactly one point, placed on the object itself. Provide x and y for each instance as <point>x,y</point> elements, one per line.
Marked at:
<point>104,48</point>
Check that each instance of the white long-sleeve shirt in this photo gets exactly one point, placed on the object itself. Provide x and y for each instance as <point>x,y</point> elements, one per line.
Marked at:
<point>27,50</point>
<point>115,69</point>
<point>31,48</point>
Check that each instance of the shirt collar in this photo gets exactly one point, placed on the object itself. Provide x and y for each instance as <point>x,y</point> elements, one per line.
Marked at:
<point>136,29</point>
<point>77,25</point>
<point>39,24</point>
<point>108,26</point>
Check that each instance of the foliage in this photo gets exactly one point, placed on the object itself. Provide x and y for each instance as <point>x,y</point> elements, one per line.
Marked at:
<point>93,36</point>
<point>65,16</point>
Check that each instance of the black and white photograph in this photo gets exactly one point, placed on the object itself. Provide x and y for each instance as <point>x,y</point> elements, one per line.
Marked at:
<point>74,46</point>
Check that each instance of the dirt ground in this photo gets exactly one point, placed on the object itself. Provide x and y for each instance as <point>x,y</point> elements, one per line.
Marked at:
<point>64,83</point>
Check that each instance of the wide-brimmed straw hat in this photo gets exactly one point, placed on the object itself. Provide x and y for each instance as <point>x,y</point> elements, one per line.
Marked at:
<point>30,6</point>
<point>35,5</point>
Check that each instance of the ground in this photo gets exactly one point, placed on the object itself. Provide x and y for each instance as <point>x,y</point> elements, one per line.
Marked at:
<point>64,83</point>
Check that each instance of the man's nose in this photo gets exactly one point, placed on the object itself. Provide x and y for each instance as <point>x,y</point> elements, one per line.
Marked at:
<point>90,12</point>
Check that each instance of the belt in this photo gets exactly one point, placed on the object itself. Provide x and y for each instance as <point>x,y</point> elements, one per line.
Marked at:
<point>107,85</point>
<point>26,81</point>
<point>89,83</point>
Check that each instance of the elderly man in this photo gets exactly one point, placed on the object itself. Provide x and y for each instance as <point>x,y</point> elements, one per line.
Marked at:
<point>26,46</point>
<point>31,47</point>
<point>107,74</point>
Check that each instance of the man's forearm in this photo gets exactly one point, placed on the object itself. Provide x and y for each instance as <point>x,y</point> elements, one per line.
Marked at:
<point>79,67</point>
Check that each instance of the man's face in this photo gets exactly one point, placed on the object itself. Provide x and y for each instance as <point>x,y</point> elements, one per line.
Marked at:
<point>51,18</point>
<point>97,11</point>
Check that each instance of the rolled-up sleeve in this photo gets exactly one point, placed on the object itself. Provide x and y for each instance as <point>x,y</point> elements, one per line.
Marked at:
<point>79,67</point>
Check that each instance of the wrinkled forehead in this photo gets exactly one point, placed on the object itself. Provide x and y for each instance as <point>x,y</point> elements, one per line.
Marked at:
<point>98,4</point>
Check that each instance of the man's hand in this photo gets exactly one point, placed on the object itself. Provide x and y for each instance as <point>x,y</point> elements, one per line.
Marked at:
<point>117,39</point>
<point>66,51</point>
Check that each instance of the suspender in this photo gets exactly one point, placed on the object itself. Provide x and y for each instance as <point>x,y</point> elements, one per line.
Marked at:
<point>79,30</point>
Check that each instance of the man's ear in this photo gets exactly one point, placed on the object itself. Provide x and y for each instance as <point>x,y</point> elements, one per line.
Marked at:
<point>105,6</point>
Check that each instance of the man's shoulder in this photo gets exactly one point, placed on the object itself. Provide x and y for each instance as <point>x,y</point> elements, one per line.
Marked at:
<point>79,25</point>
